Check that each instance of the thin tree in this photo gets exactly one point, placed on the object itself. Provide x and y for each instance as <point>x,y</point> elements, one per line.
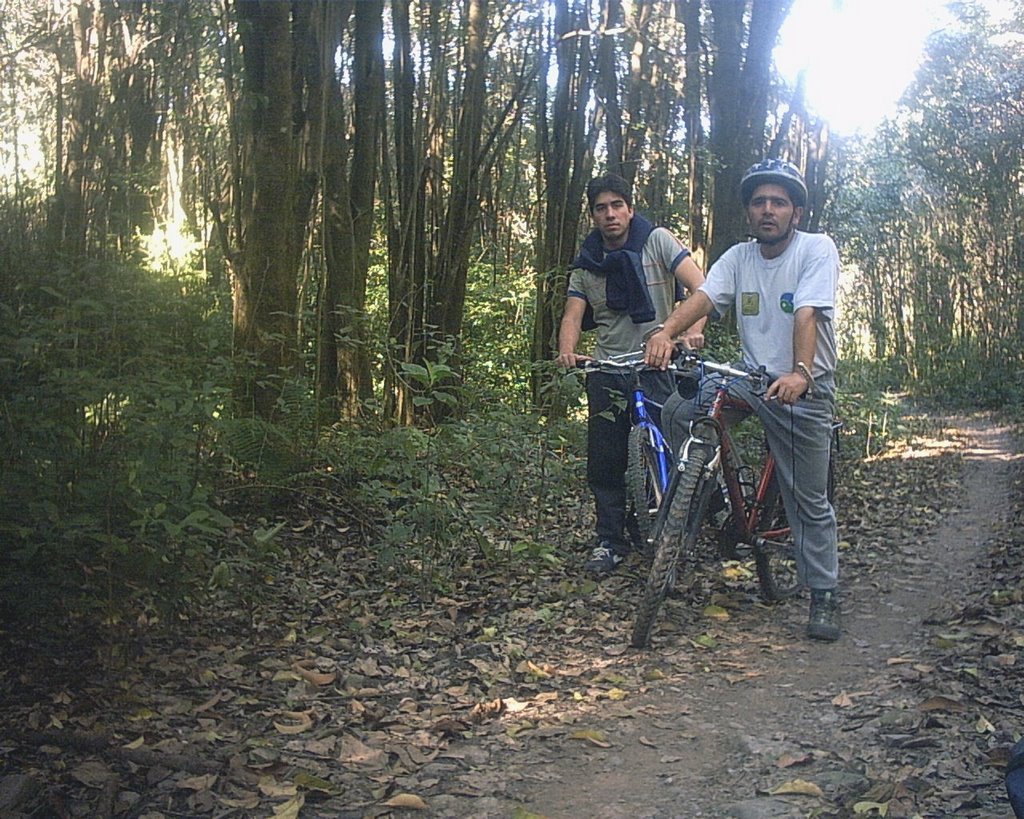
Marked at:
<point>565,146</point>
<point>264,280</point>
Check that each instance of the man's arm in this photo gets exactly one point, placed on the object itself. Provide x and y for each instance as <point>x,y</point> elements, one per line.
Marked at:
<point>790,387</point>
<point>569,331</point>
<point>660,345</point>
<point>691,277</point>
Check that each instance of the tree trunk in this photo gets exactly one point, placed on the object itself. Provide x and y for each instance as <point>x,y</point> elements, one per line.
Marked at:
<point>689,12</point>
<point>608,86</point>
<point>566,156</point>
<point>406,220</point>
<point>70,212</point>
<point>264,282</point>
<point>350,178</point>
<point>738,93</point>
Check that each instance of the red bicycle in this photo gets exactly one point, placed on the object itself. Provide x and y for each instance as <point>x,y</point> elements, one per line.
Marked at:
<point>712,487</point>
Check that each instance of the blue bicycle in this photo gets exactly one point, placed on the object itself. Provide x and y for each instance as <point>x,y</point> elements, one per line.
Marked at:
<point>651,460</point>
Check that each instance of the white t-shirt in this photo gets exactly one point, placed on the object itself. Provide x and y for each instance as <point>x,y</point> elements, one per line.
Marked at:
<point>767,292</point>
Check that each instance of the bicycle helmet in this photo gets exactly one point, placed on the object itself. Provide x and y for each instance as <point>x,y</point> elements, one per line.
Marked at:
<point>778,172</point>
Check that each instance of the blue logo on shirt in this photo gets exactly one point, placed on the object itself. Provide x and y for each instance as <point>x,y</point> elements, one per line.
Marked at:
<point>786,302</point>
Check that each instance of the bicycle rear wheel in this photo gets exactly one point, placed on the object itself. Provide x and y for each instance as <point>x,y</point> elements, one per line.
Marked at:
<point>644,484</point>
<point>687,498</point>
<point>776,559</point>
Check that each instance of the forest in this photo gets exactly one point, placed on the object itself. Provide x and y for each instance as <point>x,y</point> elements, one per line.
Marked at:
<point>268,266</point>
<point>281,427</point>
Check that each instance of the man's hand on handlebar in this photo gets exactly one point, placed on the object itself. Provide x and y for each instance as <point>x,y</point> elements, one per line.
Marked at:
<point>788,388</point>
<point>692,339</point>
<point>661,348</point>
<point>570,360</point>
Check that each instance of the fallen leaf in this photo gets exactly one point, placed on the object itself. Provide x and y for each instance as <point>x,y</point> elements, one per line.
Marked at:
<point>271,787</point>
<point>248,802</point>
<point>881,808</point>
<point>789,760</point>
<point>842,700</point>
<point>941,703</point>
<point>355,752</point>
<point>798,787</point>
<point>486,710</point>
<point>592,736</point>
<point>206,706</point>
<point>406,800</point>
<point>537,671</point>
<point>291,808</point>
<point>716,613</point>
<point>312,783</point>
<point>649,743</point>
<point>311,675</point>
<point>298,721</point>
<point>732,679</point>
<point>92,774</point>
<point>198,783</point>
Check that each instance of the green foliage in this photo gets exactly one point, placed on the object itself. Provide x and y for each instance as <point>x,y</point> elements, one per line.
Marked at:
<point>872,407</point>
<point>477,488</point>
<point>243,564</point>
<point>924,218</point>
<point>499,314</point>
<point>110,384</point>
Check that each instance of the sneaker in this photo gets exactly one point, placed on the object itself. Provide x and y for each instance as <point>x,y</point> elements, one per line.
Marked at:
<point>603,559</point>
<point>823,623</point>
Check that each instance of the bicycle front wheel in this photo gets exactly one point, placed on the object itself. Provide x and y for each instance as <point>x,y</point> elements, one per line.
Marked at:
<point>687,499</point>
<point>645,489</point>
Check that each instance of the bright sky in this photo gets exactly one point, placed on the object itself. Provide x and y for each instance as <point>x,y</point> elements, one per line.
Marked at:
<point>860,55</point>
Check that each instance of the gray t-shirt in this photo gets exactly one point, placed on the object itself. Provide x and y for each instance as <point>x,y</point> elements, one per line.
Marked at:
<point>616,332</point>
<point>767,292</point>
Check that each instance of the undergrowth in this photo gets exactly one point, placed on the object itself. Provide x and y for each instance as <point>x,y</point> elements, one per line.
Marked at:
<point>131,490</point>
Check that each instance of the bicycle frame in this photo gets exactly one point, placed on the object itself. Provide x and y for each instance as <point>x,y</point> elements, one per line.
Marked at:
<point>633,363</point>
<point>746,515</point>
<point>706,460</point>
<point>659,445</point>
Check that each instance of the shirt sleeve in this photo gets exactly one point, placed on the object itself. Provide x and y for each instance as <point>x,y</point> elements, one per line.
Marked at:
<point>720,284</point>
<point>576,286</point>
<point>819,276</point>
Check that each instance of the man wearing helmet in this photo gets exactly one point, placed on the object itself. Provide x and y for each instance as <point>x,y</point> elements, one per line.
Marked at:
<point>782,287</point>
<point>627,277</point>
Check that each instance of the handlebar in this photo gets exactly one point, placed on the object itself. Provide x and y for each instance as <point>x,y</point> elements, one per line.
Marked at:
<point>684,364</point>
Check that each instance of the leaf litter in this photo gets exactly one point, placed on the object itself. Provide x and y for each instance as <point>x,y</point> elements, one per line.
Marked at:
<point>354,693</point>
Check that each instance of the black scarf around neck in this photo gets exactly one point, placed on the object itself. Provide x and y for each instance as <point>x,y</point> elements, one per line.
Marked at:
<point>625,282</point>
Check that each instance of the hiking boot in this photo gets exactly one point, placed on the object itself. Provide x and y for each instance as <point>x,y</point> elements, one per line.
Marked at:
<point>823,623</point>
<point>603,559</point>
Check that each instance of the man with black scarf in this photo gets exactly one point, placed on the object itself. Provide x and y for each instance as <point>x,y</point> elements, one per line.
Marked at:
<point>625,282</point>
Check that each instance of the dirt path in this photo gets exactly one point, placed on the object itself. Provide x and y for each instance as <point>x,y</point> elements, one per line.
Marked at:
<point>843,725</point>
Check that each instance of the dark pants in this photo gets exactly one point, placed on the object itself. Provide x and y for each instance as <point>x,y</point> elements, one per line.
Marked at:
<point>610,408</point>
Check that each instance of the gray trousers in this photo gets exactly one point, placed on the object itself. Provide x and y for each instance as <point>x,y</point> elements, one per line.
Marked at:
<point>800,437</point>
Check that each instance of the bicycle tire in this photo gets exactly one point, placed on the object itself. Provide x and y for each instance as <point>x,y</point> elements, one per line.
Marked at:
<point>775,561</point>
<point>644,485</point>
<point>687,506</point>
